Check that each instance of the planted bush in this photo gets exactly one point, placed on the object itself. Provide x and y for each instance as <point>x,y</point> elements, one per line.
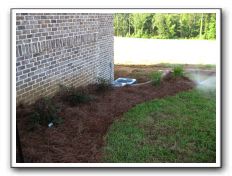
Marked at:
<point>103,85</point>
<point>178,70</point>
<point>73,96</point>
<point>156,78</point>
<point>45,111</point>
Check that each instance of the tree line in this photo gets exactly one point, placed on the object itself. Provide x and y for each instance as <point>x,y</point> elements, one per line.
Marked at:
<point>166,26</point>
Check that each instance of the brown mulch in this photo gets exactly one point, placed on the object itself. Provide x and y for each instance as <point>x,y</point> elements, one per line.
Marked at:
<point>80,138</point>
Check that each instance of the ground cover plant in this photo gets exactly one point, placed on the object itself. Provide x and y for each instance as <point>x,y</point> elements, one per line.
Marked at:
<point>180,128</point>
<point>44,112</point>
<point>103,85</point>
<point>73,96</point>
<point>178,70</point>
<point>156,77</point>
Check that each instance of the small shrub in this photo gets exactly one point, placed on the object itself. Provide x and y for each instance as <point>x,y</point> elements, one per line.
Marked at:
<point>156,78</point>
<point>44,112</point>
<point>74,96</point>
<point>34,120</point>
<point>178,70</point>
<point>103,85</point>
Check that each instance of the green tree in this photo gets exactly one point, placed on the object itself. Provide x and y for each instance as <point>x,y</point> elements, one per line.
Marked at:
<point>210,32</point>
<point>166,26</point>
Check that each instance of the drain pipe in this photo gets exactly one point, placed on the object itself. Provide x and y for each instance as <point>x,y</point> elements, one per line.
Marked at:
<point>163,75</point>
<point>139,84</point>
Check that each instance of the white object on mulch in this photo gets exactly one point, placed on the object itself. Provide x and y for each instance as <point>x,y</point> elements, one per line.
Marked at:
<point>50,125</point>
<point>120,82</point>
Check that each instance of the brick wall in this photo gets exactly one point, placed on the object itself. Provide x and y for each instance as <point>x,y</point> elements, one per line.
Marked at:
<point>69,49</point>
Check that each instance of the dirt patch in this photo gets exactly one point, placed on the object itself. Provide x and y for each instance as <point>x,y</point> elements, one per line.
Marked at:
<point>80,137</point>
<point>141,72</point>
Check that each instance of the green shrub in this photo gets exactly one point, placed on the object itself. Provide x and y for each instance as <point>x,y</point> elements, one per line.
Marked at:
<point>156,78</point>
<point>76,98</point>
<point>45,111</point>
<point>73,96</point>
<point>178,70</point>
<point>103,85</point>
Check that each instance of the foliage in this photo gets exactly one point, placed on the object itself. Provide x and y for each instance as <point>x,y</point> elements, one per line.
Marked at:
<point>156,78</point>
<point>178,70</point>
<point>103,85</point>
<point>179,128</point>
<point>44,112</point>
<point>165,26</point>
<point>73,96</point>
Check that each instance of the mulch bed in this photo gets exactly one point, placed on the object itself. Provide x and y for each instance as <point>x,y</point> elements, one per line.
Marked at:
<point>141,72</point>
<point>80,138</point>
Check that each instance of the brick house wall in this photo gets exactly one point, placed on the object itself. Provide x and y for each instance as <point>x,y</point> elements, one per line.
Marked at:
<point>57,48</point>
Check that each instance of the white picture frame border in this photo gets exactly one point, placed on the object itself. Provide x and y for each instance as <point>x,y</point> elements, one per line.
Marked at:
<point>218,12</point>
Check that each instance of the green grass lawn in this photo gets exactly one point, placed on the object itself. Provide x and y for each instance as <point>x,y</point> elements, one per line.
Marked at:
<point>180,128</point>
